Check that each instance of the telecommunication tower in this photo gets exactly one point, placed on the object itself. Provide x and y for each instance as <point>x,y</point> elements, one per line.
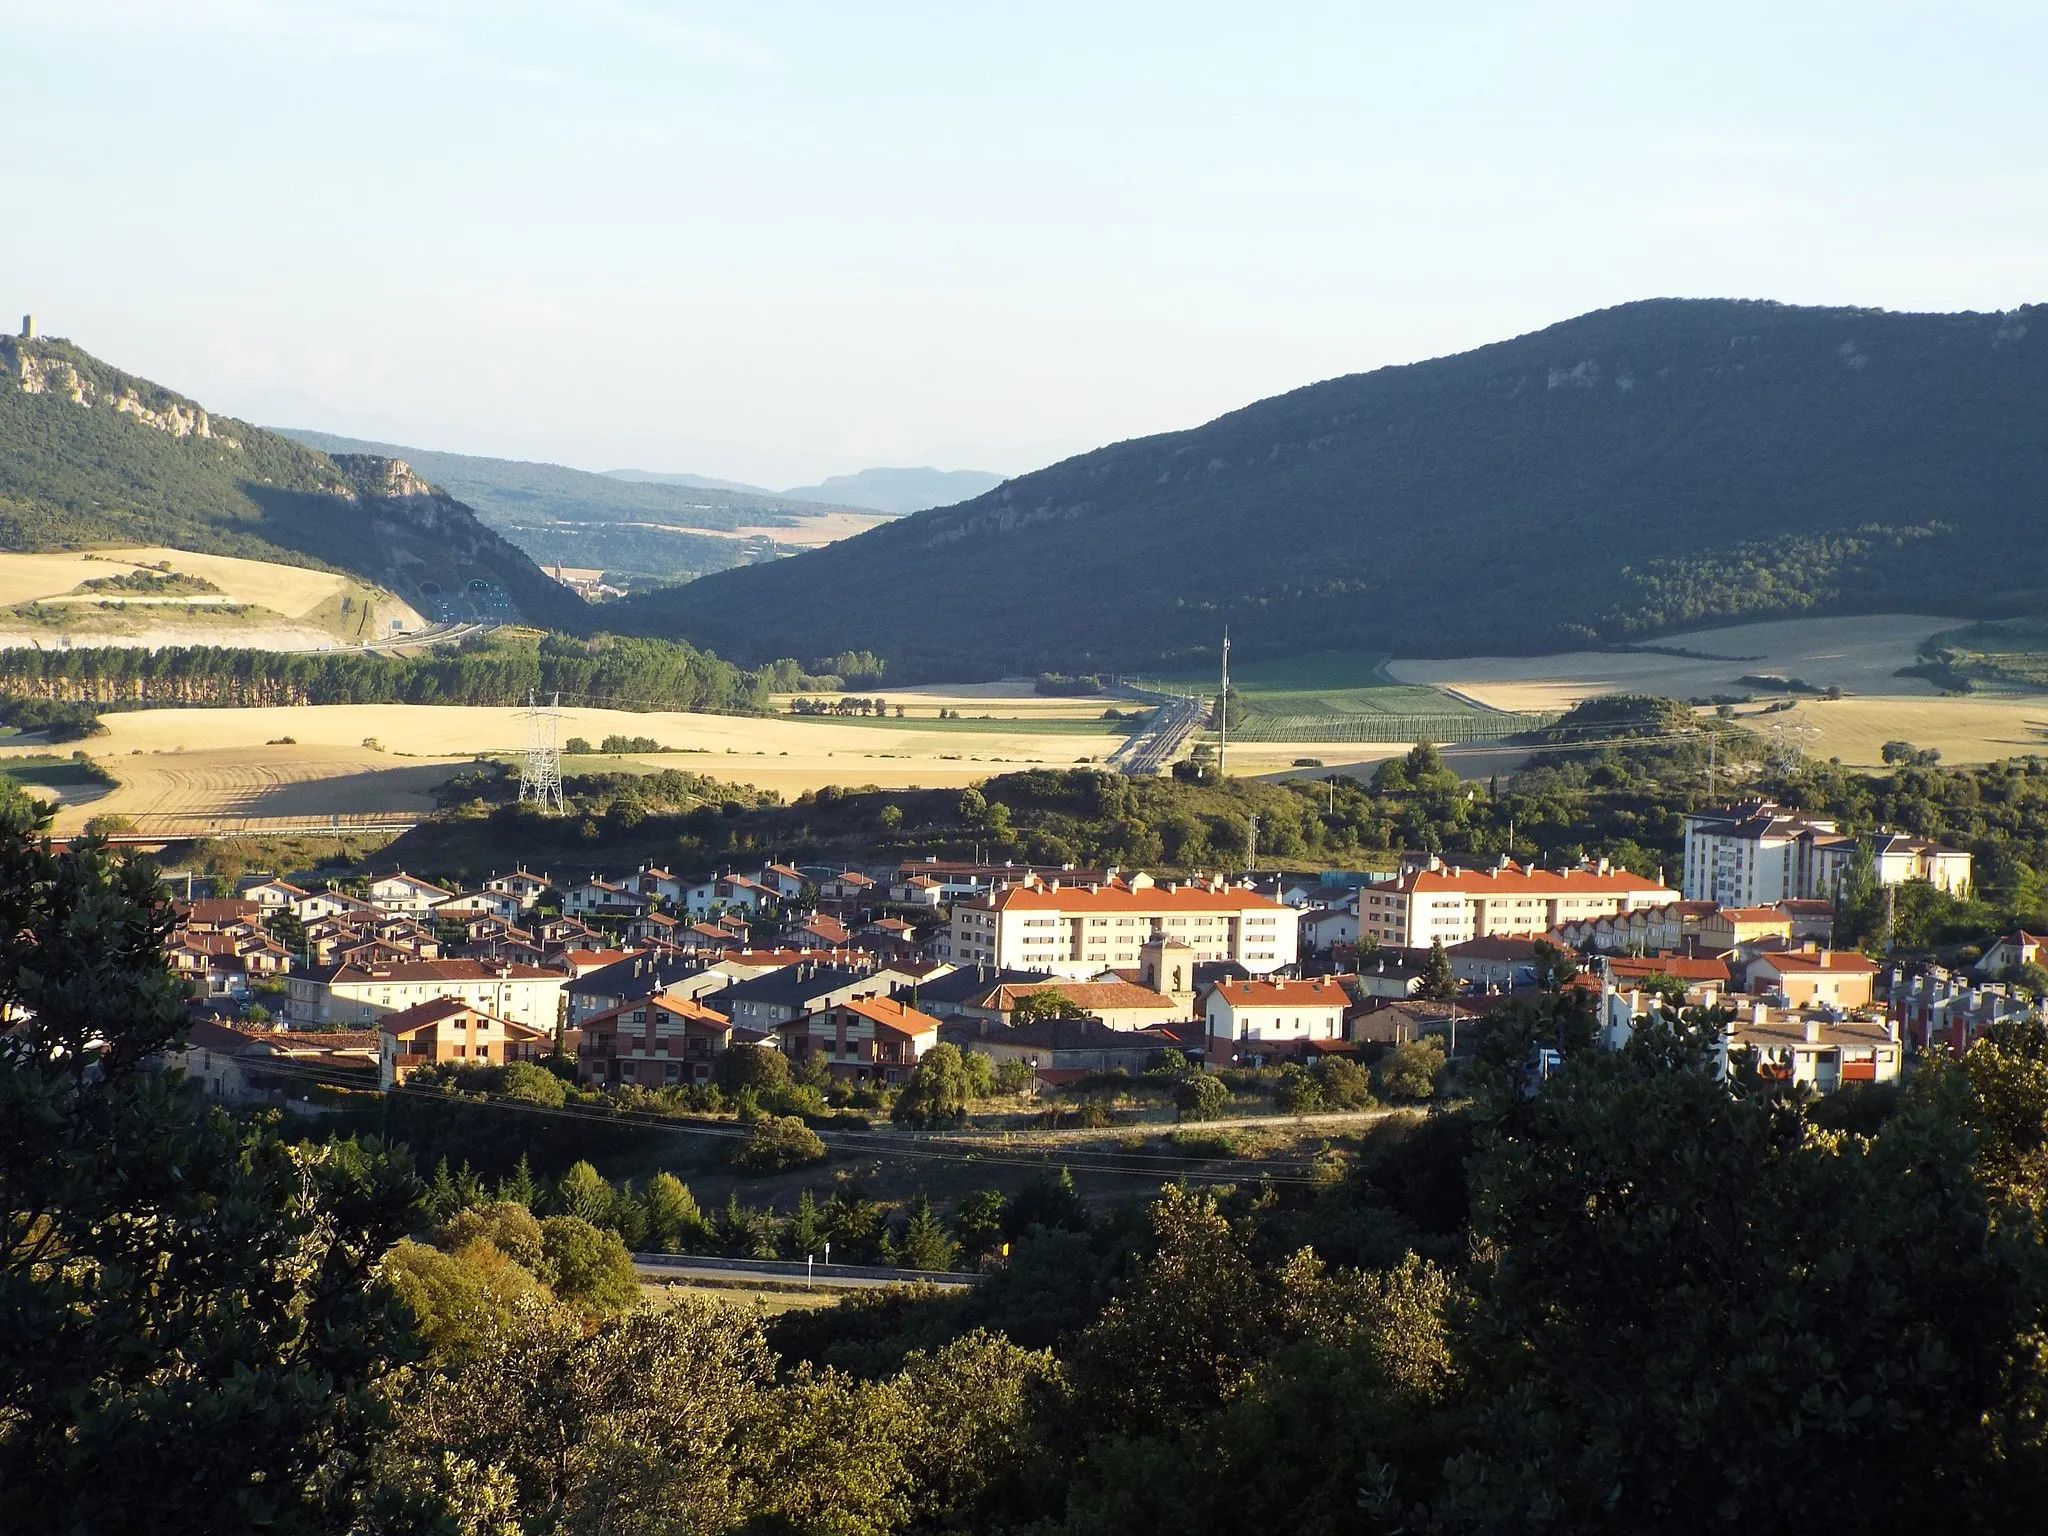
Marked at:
<point>540,770</point>
<point>1223,716</point>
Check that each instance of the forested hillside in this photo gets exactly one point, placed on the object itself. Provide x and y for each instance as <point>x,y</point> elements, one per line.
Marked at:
<point>1661,464</point>
<point>93,457</point>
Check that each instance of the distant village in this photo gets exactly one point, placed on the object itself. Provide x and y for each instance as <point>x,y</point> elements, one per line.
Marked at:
<point>645,978</point>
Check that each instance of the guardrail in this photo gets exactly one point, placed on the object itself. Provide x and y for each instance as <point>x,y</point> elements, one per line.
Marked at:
<point>821,1274</point>
<point>169,826</point>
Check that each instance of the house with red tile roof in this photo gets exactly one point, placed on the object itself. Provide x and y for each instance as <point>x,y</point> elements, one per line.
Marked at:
<point>1250,1017</point>
<point>1810,978</point>
<point>653,1042</point>
<point>449,1032</point>
<point>863,1039</point>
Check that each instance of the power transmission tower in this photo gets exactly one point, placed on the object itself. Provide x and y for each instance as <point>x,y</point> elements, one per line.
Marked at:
<point>540,770</point>
<point>1223,715</point>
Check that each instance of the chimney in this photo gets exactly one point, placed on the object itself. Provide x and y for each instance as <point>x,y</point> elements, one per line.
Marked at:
<point>1760,1013</point>
<point>1812,1031</point>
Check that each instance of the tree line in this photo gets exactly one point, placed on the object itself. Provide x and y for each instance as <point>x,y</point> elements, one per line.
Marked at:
<point>612,671</point>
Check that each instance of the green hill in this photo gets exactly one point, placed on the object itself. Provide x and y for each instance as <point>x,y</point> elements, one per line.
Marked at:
<point>1662,464</point>
<point>644,526</point>
<point>94,457</point>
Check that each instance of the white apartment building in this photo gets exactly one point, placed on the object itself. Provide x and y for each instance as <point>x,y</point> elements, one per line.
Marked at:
<point>1454,905</point>
<point>1756,853</point>
<point>1900,858</point>
<point>359,995</point>
<point>1082,930</point>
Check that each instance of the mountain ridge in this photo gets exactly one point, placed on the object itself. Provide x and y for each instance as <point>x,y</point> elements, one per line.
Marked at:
<point>1654,465</point>
<point>574,517</point>
<point>900,491</point>
<point>92,456</point>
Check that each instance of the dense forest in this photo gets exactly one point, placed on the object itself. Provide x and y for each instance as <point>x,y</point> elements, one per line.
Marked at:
<point>1660,464</point>
<point>1643,1297</point>
<point>91,456</point>
<point>500,668</point>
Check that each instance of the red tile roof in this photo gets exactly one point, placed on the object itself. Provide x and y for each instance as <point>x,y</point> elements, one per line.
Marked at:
<point>1323,992</point>
<point>887,1013</point>
<point>1515,880</point>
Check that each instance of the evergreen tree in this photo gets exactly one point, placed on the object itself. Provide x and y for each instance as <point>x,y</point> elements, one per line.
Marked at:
<point>584,1194</point>
<point>442,1201</point>
<point>978,1223</point>
<point>518,1186</point>
<point>806,1232</point>
<point>674,1224</point>
<point>1439,983</point>
<point>925,1244</point>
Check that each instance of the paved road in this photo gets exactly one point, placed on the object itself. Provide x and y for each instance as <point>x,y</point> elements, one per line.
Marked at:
<point>833,1277</point>
<point>1177,718</point>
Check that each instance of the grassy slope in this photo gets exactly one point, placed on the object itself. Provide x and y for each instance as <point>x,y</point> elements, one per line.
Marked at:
<point>1640,468</point>
<point>79,473</point>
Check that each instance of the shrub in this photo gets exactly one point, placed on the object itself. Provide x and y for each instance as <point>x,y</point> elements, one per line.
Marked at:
<point>504,1224</point>
<point>1201,1097</point>
<point>777,1142</point>
<point>1297,1092</point>
<point>1407,1074</point>
<point>755,1067</point>
<point>1345,1084</point>
<point>587,1266</point>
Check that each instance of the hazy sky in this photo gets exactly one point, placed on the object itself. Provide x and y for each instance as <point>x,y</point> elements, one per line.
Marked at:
<point>773,241</point>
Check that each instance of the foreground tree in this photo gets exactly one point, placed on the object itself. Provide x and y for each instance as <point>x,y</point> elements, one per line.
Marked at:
<point>194,1331</point>
<point>1696,1311</point>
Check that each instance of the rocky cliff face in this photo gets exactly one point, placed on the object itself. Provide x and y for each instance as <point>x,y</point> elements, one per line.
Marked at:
<point>48,368</point>
<point>91,456</point>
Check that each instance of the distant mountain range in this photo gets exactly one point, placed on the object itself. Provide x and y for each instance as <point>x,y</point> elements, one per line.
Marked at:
<point>1661,464</point>
<point>899,490</point>
<point>668,526</point>
<point>94,457</point>
<point>894,491</point>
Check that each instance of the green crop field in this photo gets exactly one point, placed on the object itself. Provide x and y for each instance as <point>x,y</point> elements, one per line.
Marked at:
<point>1010,725</point>
<point>52,772</point>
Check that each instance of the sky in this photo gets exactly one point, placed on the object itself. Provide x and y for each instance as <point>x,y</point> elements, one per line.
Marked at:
<point>775,241</point>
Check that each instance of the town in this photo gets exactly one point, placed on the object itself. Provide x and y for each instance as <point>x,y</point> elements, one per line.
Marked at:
<point>647,978</point>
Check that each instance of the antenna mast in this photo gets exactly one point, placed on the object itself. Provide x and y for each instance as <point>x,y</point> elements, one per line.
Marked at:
<point>1223,714</point>
<point>540,769</point>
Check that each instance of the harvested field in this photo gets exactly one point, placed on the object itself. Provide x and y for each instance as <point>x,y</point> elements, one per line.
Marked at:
<point>300,608</point>
<point>272,782</point>
<point>1860,655</point>
<point>1963,730</point>
<point>222,762</point>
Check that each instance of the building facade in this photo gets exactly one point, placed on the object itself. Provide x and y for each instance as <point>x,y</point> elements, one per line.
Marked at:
<point>362,995</point>
<point>1451,906</point>
<point>1081,931</point>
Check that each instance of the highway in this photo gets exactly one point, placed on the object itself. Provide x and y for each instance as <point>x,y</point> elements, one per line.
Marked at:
<point>1154,749</point>
<point>832,1277</point>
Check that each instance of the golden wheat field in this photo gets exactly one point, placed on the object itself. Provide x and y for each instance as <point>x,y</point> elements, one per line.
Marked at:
<point>282,607</point>
<point>350,758</point>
